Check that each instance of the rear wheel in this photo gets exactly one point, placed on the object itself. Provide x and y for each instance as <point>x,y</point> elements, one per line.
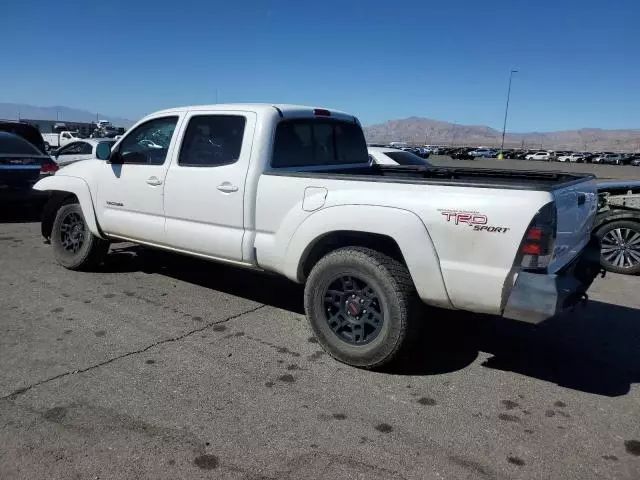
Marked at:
<point>620,246</point>
<point>362,306</point>
<point>74,246</point>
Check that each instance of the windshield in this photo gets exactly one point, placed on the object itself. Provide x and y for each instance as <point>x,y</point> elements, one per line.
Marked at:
<point>407,158</point>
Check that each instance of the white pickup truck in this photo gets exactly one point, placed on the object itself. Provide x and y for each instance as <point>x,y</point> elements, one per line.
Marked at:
<point>291,190</point>
<point>57,140</point>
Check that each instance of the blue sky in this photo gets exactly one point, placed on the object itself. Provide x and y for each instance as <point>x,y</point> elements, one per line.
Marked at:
<point>578,60</point>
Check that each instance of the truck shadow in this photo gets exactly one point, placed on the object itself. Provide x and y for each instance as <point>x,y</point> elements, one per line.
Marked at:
<point>594,349</point>
<point>260,287</point>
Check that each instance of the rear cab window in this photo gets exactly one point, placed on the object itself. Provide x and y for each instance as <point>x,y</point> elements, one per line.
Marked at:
<point>300,143</point>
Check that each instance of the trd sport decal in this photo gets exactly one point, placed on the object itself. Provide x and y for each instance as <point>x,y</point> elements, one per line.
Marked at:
<point>473,219</point>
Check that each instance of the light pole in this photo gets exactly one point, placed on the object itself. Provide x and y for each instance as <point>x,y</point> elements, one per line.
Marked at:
<point>506,110</point>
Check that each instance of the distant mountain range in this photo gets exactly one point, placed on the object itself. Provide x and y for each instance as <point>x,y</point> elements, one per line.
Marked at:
<point>13,111</point>
<point>418,130</point>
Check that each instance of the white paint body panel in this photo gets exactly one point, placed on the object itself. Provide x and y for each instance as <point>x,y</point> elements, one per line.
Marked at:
<point>204,206</point>
<point>472,265</point>
<point>270,221</point>
<point>80,188</point>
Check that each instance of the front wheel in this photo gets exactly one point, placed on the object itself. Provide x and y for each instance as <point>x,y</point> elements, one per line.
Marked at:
<point>362,306</point>
<point>620,246</point>
<point>74,246</point>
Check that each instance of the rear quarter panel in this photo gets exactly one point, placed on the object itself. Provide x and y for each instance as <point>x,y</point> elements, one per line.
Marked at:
<point>475,265</point>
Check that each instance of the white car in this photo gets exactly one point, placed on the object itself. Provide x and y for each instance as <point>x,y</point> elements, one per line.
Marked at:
<point>394,156</point>
<point>571,157</point>
<point>291,190</point>
<point>542,155</point>
<point>85,149</point>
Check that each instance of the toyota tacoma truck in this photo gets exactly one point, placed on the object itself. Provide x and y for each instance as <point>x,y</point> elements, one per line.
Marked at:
<point>291,190</point>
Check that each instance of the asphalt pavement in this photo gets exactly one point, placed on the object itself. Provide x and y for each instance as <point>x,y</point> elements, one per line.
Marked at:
<point>160,366</point>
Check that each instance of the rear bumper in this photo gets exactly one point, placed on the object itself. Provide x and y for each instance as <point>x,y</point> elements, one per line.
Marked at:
<point>538,296</point>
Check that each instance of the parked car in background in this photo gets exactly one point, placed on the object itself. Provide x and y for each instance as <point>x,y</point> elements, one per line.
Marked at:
<point>21,166</point>
<point>617,225</point>
<point>432,149</point>
<point>571,157</point>
<point>394,156</point>
<point>611,159</point>
<point>599,156</point>
<point>635,161</point>
<point>80,150</point>
<point>521,154</point>
<point>30,133</point>
<point>540,155</point>
<point>483,153</point>
<point>462,154</point>
<point>589,156</point>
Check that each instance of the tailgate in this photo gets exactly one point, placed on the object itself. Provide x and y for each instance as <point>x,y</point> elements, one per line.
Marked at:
<point>576,207</point>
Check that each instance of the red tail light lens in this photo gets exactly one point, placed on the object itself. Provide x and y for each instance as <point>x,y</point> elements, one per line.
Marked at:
<point>531,249</point>
<point>535,233</point>
<point>48,168</point>
<point>321,112</point>
<point>539,241</point>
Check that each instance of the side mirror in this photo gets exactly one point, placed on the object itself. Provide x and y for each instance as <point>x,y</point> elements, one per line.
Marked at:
<point>103,152</point>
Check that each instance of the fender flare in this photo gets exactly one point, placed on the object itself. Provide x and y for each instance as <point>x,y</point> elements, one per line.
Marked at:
<point>403,226</point>
<point>72,185</point>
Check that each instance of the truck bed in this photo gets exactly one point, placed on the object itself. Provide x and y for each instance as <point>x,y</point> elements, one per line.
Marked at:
<point>459,177</point>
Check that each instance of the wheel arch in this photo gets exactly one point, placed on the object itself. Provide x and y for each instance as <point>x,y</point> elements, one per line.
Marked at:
<point>63,189</point>
<point>393,231</point>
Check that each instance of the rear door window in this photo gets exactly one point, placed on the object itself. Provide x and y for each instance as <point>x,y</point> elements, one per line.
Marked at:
<point>307,142</point>
<point>212,141</point>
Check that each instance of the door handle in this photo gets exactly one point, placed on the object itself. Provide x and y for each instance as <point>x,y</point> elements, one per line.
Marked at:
<point>226,187</point>
<point>154,181</point>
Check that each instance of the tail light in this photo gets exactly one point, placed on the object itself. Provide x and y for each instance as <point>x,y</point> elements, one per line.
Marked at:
<point>48,168</point>
<point>539,241</point>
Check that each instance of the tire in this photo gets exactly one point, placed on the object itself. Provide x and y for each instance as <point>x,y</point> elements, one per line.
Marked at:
<point>614,258</point>
<point>378,276</point>
<point>74,246</point>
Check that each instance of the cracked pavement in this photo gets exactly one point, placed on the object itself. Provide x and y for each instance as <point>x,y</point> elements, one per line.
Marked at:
<point>161,366</point>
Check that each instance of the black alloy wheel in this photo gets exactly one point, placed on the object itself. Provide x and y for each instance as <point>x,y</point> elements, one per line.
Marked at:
<point>72,232</point>
<point>353,310</point>
<point>74,245</point>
